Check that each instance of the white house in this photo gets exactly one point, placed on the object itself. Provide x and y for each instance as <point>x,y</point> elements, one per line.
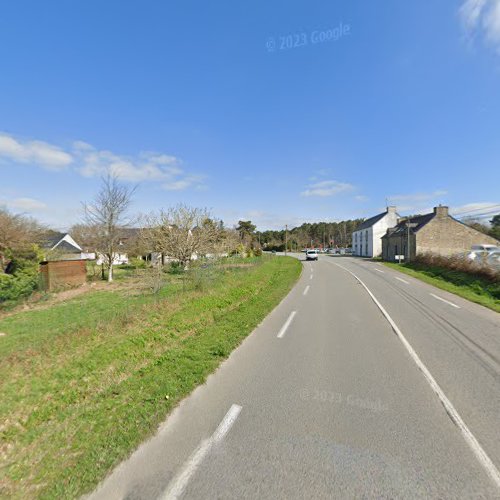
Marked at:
<point>367,239</point>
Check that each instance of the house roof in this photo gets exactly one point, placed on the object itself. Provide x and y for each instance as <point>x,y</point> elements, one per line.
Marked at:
<point>57,240</point>
<point>419,220</point>
<point>371,221</point>
<point>51,239</point>
<point>67,247</point>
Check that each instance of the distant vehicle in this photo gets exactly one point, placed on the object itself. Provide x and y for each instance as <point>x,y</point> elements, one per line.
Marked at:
<point>311,255</point>
<point>480,248</point>
<point>477,255</point>
<point>493,259</point>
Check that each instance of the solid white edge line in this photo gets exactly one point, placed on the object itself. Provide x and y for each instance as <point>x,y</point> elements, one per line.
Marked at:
<point>401,279</point>
<point>179,482</point>
<point>286,325</point>
<point>444,300</point>
<point>306,289</point>
<point>473,443</point>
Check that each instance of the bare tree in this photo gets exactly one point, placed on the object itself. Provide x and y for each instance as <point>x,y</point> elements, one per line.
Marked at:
<point>182,232</point>
<point>107,216</point>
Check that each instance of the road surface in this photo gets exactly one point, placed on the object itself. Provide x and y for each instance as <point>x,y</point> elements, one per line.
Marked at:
<point>362,383</point>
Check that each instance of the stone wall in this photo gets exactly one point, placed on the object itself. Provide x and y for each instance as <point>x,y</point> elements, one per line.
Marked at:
<point>444,235</point>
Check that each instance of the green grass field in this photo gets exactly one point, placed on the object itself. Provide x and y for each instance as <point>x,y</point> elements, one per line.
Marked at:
<point>84,382</point>
<point>463,284</point>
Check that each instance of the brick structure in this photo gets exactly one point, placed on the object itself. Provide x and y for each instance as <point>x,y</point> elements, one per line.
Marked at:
<point>437,232</point>
<point>63,274</point>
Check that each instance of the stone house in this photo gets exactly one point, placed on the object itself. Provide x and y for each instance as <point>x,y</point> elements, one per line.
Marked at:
<point>436,232</point>
<point>366,240</point>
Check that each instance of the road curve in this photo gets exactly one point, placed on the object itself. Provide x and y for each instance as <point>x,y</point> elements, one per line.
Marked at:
<point>323,400</point>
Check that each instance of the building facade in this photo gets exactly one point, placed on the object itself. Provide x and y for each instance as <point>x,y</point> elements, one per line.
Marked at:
<point>367,239</point>
<point>436,232</point>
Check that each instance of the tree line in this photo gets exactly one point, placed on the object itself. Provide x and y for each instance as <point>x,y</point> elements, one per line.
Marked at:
<point>316,235</point>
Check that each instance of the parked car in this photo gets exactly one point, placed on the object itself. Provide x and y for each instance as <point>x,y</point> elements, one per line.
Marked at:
<point>477,255</point>
<point>311,255</point>
<point>482,248</point>
<point>493,259</point>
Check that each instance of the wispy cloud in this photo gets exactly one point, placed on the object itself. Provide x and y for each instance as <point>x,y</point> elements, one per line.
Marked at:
<point>40,153</point>
<point>475,208</point>
<point>417,197</point>
<point>482,17</point>
<point>327,188</point>
<point>24,204</point>
<point>418,202</point>
<point>361,197</point>
<point>89,161</point>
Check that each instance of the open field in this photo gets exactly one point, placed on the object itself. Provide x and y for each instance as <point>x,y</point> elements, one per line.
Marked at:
<point>85,381</point>
<point>463,284</point>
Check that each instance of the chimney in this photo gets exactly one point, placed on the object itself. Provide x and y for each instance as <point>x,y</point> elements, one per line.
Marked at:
<point>441,212</point>
<point>391,209</point>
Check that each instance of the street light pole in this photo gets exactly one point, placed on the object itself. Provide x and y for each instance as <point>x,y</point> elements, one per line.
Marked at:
<point>286,238</point>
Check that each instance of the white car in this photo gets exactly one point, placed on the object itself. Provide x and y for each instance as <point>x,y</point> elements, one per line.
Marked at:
<point>484,248</point>
<point>311,255</point>
<point>493,259</point>
<point>477,255</point>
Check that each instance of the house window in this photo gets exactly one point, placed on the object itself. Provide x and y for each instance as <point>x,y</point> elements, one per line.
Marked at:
<point>395,250</point>
<point>366,235</point>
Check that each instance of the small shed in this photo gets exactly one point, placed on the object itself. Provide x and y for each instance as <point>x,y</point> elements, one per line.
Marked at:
<point>59,274</point>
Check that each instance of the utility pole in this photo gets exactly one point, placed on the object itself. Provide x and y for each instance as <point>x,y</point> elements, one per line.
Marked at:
<point>408,226</point>
<point>286,238</point>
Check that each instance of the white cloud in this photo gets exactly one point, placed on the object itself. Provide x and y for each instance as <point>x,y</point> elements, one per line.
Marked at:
<point>361,197</point>
<point>89,161</point>
<point>186,182</point>
<point>482,17</point>
<point>147,166</point>
<point>24,204</point>
<point>327,188</point>
<point>37,153</point>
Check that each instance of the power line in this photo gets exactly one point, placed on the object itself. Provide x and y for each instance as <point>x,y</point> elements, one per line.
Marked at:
<point>479,216</point>
<point>478,210</point>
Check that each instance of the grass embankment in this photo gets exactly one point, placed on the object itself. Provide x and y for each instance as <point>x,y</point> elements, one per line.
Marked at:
<point>466,285</point>
<point>85,382</point>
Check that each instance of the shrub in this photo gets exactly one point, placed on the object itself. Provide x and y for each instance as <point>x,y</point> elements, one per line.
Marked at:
<point>134,263</point>
<point>21,284</point>
<point>175,268</point>
<point>458,269</point>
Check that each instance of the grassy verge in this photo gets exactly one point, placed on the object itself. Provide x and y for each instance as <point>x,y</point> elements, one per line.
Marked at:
<point>84,382</point>
<point>465,285</point>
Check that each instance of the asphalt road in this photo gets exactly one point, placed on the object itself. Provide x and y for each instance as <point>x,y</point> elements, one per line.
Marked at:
<point>325,399</point>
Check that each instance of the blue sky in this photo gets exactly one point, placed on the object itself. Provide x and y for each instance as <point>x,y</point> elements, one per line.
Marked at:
<point>279,112</point>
